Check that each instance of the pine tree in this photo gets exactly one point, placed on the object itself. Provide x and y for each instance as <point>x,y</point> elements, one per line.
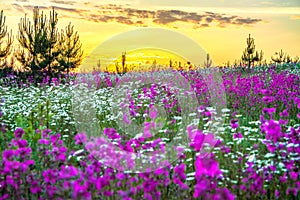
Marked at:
<point>5,47</point>
<point>42,48</point>
<point>50,57</point>
<point>249,54</point>
<point>33,42</point>
<point>71,53</point>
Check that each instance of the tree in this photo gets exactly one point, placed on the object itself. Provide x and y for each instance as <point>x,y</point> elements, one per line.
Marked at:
<point>208,61</point>
<point>249,54</point>
<point>281,57</point>
<point>71,53</point>
<point>4,46</point>
<point>42,48</point>
<point>154,64</point>
<point>123,62</point>
<point>33,41</point>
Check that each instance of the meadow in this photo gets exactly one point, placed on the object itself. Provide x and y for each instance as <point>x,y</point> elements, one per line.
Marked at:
<point>106,136</point>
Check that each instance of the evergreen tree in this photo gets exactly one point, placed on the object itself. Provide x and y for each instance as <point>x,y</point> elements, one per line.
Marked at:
<point>44,49</point>
<point>49,59</point>
<point>5,47</point>
<point>33,42</point>
<point>249,54</point>
<point>71,53</point>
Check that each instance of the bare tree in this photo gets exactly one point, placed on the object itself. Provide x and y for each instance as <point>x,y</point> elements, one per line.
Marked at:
<point>208,61</point>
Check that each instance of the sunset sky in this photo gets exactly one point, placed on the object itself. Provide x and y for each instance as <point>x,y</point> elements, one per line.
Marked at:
<point>220,27</point>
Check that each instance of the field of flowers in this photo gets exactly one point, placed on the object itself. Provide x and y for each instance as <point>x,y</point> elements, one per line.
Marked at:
<point>198,136</point>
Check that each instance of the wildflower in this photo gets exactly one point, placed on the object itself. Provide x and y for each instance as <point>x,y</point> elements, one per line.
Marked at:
<point>237,135</point>
<point>255,146</point>
<point>81,190</point>
<point>270,111</point>
<point>49,176</point>
<point>80,138</point>
<point>153,112</point>
<point>277,193</point>
<point>272,129</point>
<point>8,154</point>
<point>266,92</point>
<point>19,132</point>
<point>35,187</point>
<point>234,123</point>
<point>268,99</point>
<point>294,175</point>
<point>43,142</point>
<point>126,120</point>
<point>206,166</point>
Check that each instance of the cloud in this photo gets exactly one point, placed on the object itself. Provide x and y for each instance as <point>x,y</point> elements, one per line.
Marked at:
<point>141,17</point>
<point>244,21</point>
<point>63,2</point>
<point>18,7</point>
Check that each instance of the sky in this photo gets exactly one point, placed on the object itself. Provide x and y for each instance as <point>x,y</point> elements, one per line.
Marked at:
<point>218,27</point>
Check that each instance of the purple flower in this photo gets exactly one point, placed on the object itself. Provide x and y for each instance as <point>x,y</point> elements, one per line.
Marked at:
<point>54,138</point>
<point>49,176</point>
<point>277,193</point>
<point>20,143</point>
<point>237,135</point>
<point>8,154</point>
<point>80,138</point>
<point>234,123</point>
<point>268,99</point>
<point>272,129</point>
<point>19,132</point>
<point>294,175</point>
<point>111,133</point>
<point>206,166</point>
<point>44,142</point>
<point>270,111</point>
<point>4,197</point>
<point>35,187</point>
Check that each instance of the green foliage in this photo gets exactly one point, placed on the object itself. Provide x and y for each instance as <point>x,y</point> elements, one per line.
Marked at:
<point>281,57</point>
<point>71,53</point>
<point>4,50</point>
<point>249,54</point>
<point>42,48</point>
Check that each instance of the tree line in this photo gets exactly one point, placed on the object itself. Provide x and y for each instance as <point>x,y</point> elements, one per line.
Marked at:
<point>42,48</point>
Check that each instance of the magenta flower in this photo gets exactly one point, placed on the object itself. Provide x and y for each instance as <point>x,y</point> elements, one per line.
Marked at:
<point>80,138</point>
<point>153,112</point>
<point>197,140</point>
<point>270,111</point>
<point>294,175</point>
<point>35,187</point>
<point>237,135</point>
<point>80,191</point>
<point>8,154</point>
<point>19,132</point>
<point>44,142</point>
<point>268,99</point>
<point>206,166</point>
<point>234,123</point>
<point>126,120</point>
<point>272,129</point>
<point>49,176</point>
